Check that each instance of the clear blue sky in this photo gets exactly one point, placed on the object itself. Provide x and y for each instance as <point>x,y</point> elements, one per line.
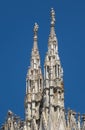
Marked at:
<point>17,19</point>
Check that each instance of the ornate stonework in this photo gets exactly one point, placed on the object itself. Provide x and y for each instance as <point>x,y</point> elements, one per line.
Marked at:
<point>44,100</point>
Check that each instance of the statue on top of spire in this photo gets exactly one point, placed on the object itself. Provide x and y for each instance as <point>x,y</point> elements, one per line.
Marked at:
<point>36,26</point>
<point>52,17</point>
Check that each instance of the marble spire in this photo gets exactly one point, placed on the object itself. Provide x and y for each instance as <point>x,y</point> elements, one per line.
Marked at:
<point>34,86</point>
<point>53,85</point>
<point>52,41</point>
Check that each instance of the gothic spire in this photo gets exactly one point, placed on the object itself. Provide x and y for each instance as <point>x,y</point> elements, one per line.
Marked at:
<point>35,58</point>
<point>35,52</point>
<point>34,72</point>
<point>52,41</point>
<point>34,85</point>
<point>53,72</point>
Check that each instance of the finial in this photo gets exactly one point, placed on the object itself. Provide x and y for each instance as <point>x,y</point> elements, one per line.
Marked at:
<point>10,112</point>
<point>35,36</point>
<point>52,17</point>
<point>35,30</point>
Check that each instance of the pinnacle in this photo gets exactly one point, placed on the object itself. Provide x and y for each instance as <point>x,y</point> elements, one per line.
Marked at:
<point>35,57</point>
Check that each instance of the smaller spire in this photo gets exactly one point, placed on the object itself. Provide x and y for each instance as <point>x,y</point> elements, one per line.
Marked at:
<point>35,57</point>
<point>52,17</point>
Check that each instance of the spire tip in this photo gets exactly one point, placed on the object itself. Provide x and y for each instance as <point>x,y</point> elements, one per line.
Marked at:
<point>36,26</point>
<point>52,17</point>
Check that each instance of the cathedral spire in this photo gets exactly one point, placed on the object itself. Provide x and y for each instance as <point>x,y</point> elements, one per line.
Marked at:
<point>34,86</point>
<point>35,68</point>
<point>35,58</point>
<point>52,41</point>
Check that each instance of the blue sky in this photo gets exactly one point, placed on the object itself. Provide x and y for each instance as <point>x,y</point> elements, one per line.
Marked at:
<point>17,19</point>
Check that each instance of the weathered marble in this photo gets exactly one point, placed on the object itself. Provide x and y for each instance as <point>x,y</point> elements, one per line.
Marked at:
<point>44,100</point>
